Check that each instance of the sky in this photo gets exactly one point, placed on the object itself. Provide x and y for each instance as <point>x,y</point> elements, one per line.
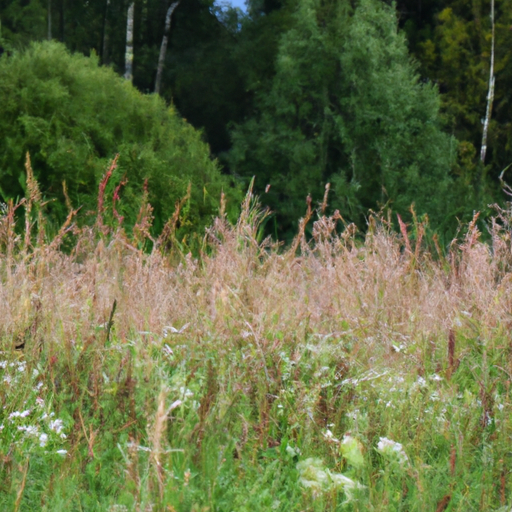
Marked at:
<point>235,3</point>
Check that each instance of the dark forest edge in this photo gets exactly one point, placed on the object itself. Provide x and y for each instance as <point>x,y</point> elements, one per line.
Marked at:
<point>393,119</point>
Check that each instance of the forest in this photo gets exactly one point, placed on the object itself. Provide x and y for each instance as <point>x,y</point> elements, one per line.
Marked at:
<point>391,107</point>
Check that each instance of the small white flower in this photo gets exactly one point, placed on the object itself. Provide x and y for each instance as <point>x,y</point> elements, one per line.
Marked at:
<point>392,449</point>
<point>17,414</point>
<point>56,426</point>
<point>31,430</point>
<point>290,450</point>
<point>185,392</point>
<point>61,452</point>
<point>420,382</point>
<point>43,439</point>
<point>330,437</point>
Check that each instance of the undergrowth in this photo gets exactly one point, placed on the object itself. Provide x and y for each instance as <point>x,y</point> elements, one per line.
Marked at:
<point>346,372</point>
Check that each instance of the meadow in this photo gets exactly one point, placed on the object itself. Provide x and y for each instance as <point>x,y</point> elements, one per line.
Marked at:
<point>349,371</point>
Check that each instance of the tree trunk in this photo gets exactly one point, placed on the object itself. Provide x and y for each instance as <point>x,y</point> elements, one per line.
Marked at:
<point>163,47</point>
<point>128,59</point>
<point>61,16</point>
<point>105,58</point>
<point>49,20</point>
<point>490,94</point>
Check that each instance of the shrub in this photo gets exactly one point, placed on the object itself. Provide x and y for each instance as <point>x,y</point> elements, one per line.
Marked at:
<point>74,116</point>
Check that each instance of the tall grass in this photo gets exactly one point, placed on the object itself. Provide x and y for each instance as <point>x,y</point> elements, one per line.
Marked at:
<point>347,372</point>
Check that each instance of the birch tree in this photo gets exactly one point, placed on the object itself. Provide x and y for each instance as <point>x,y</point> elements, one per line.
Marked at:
<point>128,59</point>
<point>163,47</point>
<point>490,94</point>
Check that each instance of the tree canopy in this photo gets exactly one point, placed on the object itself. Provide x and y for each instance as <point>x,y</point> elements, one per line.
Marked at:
<point>346,107</point>
<point>384,102</point>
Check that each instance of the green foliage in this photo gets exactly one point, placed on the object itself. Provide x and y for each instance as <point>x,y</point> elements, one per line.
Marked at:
<point>456,55</point>
<point>23,21</point>
<point>73,117</point>
<point>346,106</point>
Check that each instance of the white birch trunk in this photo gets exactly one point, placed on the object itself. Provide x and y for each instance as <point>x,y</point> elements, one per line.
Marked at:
<point>490,94</point>
<point>128,59</point>
<point>163,47</point>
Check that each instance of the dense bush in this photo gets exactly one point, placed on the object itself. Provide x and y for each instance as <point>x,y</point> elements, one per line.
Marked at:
<point>73,117</point>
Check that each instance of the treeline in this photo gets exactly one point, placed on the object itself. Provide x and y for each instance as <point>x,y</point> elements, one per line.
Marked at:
<point>389,104</point>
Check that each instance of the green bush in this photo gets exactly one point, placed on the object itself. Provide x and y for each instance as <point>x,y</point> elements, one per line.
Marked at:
<point>74,116</point>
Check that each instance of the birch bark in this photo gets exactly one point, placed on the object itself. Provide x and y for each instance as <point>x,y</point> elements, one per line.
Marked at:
<point>490,94</point>
<point>128,59</point>
<point>163,47</point>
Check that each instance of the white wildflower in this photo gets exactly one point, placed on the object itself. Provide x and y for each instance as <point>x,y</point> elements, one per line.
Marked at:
<point>330,436</point>
<point>346,484</point>
<point>420,382</point>
<point>291,451</point>
<point>43,439</point>
<point>315,477</point>
<point>17,414</point>
<point>392,450</point>
<point>56,426</point>
<point>185,392</point>
<point>61,452</point>
<point>312,474</point>
<point>31,430</point>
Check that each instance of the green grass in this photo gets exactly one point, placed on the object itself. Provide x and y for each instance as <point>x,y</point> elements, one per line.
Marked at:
<point>354,376</point>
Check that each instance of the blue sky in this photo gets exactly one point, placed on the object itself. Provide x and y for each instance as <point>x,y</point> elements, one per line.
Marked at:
<point>234,3</point>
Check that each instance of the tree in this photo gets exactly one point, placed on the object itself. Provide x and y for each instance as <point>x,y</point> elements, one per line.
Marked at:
<point>128,60</point>
<point>346,106</point>
<point>73,117</point>
<point>163,47</point>
<point>457,56</point>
